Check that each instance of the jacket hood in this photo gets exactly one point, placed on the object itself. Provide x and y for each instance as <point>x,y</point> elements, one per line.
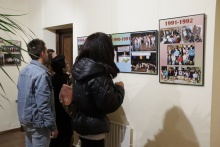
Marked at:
<point>86,68</point>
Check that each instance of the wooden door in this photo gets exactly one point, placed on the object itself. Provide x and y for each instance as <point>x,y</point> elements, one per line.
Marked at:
<point>64,46</point>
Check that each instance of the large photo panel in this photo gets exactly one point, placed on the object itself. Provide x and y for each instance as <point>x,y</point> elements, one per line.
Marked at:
<point>181,50</point>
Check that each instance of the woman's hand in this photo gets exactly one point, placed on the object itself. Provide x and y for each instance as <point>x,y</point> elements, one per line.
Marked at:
<point>120,84</point>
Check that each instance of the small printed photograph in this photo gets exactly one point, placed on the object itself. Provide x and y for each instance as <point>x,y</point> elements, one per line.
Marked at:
<point>170,35</point>
<point>181,54</point>
<point>12,59</point>
<point>192,33</point>
<point>145,41</point>
<point>144,62</point>
<point>10,49</point>
<point>10,46</point>
<point>1,59</point>
<point>122,54</point>
<point>183,75</point>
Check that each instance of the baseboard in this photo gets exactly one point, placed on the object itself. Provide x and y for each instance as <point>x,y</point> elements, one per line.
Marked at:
<point>12,130</point>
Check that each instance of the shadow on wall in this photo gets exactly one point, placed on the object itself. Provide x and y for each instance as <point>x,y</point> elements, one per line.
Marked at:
<point>177,131</point>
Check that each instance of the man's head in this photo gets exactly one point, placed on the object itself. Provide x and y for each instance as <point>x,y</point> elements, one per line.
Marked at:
<point>37,50</point>
<point>51,53</point>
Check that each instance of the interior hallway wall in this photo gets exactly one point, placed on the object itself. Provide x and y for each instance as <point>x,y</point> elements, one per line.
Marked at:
<point>215,117</point>
<point>159,114</point>
<point>8,111</point>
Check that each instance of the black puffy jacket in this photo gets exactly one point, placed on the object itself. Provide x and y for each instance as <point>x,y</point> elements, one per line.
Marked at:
<point>94,95</point>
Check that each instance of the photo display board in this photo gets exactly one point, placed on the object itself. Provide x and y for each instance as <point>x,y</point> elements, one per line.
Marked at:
<point>10,54</point>
<point>182,50</point>
<point>135,52</point>
<point>80,42</point>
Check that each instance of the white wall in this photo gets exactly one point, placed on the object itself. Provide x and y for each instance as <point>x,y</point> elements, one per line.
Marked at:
<point>159,114</point>
<point>8,114</point>
<point>215,117</point>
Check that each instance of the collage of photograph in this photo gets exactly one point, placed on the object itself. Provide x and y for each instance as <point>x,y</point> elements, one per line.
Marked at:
<point>135,52</point>
<point>10,55</point>
<point>181,50</point>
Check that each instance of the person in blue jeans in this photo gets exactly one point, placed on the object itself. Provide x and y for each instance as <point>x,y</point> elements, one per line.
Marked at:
<point>191,54</point>
<point>36,110</point>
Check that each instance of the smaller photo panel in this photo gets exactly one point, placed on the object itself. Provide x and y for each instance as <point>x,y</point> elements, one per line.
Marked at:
<point>144,41</point>
<point>192,33</point>
<point>10,53</point>
<point>144,62</point>
<point>170,35</point>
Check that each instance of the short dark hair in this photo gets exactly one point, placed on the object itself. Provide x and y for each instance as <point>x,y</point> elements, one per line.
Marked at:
<point>98,47</point>
<point>35,48</point>
<point>49,52</point>
<point>58,63</point>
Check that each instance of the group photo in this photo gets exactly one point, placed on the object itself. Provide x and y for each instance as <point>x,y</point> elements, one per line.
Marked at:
<point>192,33</point>
<point>181,54</point>
<point>178,74</point>
<point>143,41</point>
<point>170,35</point>
<point>144,63</point>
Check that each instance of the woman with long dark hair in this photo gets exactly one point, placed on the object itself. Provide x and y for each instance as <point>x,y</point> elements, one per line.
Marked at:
<point>94,93</point>
<point>63,120</point>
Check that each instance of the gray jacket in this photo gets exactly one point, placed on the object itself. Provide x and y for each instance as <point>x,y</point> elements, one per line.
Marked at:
<point>35,97</point>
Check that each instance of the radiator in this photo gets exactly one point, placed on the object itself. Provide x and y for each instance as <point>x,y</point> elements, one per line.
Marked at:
<point>119,135</point>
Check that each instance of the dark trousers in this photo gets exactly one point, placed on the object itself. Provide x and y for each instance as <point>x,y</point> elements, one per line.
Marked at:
<point>92,143</point>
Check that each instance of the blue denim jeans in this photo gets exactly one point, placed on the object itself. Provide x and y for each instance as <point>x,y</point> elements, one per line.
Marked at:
<point>37,137</point>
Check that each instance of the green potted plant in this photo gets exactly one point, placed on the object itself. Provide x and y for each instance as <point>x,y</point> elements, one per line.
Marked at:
<point>11,27</point>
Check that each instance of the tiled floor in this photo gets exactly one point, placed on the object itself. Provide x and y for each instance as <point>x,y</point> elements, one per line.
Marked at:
<point>14,138</point>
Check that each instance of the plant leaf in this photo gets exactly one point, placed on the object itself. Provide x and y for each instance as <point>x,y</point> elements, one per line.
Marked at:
<point>4,93</point>
<point>7,74</point>
<point>10,26</point>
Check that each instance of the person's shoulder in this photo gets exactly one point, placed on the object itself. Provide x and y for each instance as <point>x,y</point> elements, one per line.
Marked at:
<point>25,69</point>
<point>33,69</point>
<point>36,69</point>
